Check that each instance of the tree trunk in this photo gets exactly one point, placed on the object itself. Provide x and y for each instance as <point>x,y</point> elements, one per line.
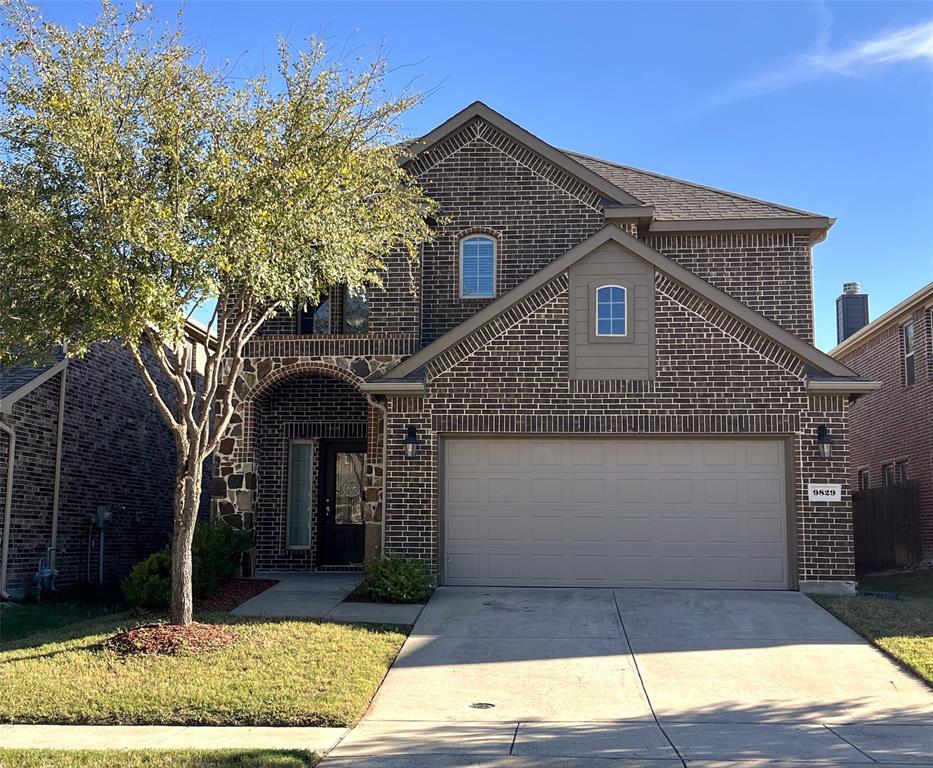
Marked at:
<point>187,501</point>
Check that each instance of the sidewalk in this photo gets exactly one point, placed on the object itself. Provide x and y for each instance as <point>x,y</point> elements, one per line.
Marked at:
<point>318,740</point>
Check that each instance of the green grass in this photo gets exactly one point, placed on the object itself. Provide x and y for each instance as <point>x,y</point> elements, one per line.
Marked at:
<point>280,673</point>
<point>907,584</point>
<point>22,620</point>
<point>902,628</point>
<point>47,758</point>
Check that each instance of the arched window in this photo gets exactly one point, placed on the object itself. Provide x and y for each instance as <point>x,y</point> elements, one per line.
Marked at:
<point>611,310</point>
<point>477,267</point>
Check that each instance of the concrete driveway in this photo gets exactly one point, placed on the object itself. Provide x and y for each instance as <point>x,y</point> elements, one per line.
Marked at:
<point>566,677</point>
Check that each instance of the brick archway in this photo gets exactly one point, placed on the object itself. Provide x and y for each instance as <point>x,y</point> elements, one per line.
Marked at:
<point>236,484</point>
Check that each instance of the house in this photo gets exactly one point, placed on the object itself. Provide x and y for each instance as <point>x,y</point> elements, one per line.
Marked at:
<point>602,377</point>
<point>89,490</point>
<point>891,430</point>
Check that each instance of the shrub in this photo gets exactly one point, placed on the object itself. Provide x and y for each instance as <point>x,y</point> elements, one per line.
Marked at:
<point>215,551</point>
<point>396,580</point>
<point>149,584</point>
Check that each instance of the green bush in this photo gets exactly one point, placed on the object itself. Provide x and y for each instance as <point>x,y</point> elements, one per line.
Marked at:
<point>215,551</point>
<point>149,584</point>
<point>396,580</point>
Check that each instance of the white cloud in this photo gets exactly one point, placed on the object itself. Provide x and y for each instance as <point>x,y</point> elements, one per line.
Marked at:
<point>908,44</point>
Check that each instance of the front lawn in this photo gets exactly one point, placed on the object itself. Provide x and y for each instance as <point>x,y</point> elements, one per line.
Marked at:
<point>19,620</point>
<point>902,628</point>
<point>48,758</point>
<point>279,673</point>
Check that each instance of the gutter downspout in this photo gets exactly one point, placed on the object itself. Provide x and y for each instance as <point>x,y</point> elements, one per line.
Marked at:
<point>385,468</point>
<point>53,544</point>
<point>7,510</point>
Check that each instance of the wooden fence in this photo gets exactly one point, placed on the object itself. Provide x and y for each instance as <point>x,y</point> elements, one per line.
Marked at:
<point>886,525</point>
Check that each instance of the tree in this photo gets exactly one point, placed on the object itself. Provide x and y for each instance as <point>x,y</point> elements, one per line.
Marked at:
<point>138,185</point>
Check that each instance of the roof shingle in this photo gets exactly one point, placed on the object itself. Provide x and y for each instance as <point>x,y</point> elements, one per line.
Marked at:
<point>677,200</point>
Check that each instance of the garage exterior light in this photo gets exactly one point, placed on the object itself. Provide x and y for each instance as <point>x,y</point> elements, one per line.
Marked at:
<point>825,441</point>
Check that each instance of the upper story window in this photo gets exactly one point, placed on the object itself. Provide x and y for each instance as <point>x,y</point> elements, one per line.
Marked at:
<point>910,365</point>
<point>478,267</point>
<point>355,311</point>
<point>314,317</point>
<point>611,310</point>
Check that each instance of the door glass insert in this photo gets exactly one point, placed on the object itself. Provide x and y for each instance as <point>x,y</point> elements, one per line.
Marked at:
<point>299,494</point>
<point>348,508</point>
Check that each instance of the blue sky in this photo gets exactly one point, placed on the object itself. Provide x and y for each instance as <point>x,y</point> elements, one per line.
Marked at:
<point>822,106</point>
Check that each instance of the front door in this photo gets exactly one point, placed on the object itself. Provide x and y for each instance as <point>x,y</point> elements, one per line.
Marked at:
<point>340,502</point>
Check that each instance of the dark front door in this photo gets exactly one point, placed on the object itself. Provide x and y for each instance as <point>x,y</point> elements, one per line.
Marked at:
<point>340,506</point>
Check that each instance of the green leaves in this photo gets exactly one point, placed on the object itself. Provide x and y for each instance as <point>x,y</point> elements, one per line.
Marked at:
<point>134,181</point>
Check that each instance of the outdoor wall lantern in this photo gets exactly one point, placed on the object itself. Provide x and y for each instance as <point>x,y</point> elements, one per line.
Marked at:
<point>825,442</point>
<point>411,442</point>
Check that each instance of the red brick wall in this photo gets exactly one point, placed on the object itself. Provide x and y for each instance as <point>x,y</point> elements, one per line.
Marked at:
<point>771,272</point>
<point>714,376</point>
<point>895,422</point>
<point>116,452</point>
<point>484,181</point>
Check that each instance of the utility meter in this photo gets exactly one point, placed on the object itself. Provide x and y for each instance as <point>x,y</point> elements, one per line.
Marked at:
<point>101,517</point>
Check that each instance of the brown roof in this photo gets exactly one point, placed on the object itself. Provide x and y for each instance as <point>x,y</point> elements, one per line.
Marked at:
<point>675,199</point>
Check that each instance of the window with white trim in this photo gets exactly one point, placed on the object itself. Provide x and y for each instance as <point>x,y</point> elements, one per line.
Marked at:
<point>478,267</point>
<point>611,310</point>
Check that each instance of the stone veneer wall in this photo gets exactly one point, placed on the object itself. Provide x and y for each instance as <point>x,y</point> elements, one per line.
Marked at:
<point>273,362</point>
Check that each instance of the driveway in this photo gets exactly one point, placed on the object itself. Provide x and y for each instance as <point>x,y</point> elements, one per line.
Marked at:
<point>598,677</point>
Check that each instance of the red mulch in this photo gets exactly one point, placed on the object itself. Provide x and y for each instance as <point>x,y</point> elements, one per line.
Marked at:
<point>170,640</point>
<point>232,593</point>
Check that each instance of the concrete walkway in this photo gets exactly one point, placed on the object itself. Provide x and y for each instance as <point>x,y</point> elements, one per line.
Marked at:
<point>661,678</point>
<point>318,740</point>
<point>306,595</point>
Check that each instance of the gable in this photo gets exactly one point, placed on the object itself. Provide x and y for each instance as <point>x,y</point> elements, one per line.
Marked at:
<point>533,151</point>
<point>484,184</point>
<point>724,304</point>
<point>591,357</point>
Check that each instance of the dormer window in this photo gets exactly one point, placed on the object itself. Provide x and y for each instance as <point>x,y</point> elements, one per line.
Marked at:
<point>478,267</point>
<point>611,310</point>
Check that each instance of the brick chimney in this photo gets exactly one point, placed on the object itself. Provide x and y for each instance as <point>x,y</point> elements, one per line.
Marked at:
<point>851,311</point>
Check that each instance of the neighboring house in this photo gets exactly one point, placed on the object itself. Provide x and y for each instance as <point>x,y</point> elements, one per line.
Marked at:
<point>603,377</point>
<point>891,430</point>
<point>88,439</point>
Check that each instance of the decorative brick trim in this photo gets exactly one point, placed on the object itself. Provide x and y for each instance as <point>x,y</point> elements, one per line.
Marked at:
<point>498,326</point>
<point>729,325</point>
<point>618,423</point>
<point>480,130</point>
<point>611,386</point>
<point>372,345</point>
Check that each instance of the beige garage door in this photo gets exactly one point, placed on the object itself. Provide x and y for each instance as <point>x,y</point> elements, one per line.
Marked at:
<point>633,513</point>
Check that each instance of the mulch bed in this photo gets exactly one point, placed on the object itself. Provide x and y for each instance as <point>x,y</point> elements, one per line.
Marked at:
<point>232,593</point>
<point>170,640</point>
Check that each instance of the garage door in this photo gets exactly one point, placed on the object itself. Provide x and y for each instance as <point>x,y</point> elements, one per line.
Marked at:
<point>637,513</point>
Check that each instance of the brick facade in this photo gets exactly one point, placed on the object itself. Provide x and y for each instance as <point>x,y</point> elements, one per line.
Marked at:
<point>116,452</point>
<point>305,407</point>
<point>895,423</point>
<point>771,272</point>
<point>714,375</point>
